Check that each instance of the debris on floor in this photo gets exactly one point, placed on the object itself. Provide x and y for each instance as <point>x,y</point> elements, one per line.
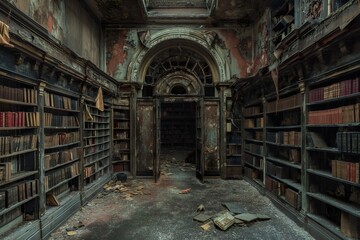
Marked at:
<point>127,190</point>
<point>206,226</point>
<point>234,215</point>
<point>224,221</point>
<point>185,191</point>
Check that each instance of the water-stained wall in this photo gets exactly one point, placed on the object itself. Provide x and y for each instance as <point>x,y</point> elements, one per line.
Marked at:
<point>68,22</point>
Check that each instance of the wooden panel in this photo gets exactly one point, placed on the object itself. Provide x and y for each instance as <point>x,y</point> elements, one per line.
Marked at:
<point>145,136</point>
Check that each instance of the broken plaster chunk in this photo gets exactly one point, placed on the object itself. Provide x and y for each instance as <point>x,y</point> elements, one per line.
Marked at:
<point>246,217</point>
<point>200,208</point>
<point>224,221</point>
<point>202,217</point>
<point>206,226</point>
<point>262,217</point>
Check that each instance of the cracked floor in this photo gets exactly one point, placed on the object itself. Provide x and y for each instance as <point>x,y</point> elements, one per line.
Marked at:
<point>142,209</point>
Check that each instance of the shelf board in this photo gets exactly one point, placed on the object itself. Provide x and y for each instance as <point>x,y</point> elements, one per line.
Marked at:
<point>283,127</point>
<point>61,109</point>
<point>96,144</point>
<point>356,124</point>
<point>6,101</point>
<point>107,135</point>
<point>258,182</point>
<point>17,153</point>
<point>122,118</point>
<point>98,151</point>
<point>328,175</point>
<point>61,146</point>
<point>284,109</point>
<point>18,176</point>
<point>18,204</point>
<point>17,128</point>
<point>288,182</point>
<point>284,162</point>
<point>351,208</point>
<point>254,115</point>
<point>283,145</point>
<point>330,150</point>
<point>96,129</point>
<point>62,164</point>
<point>98,115</point>
<point>233,144</point>
<point>233,155</point>
<point>125,129</point>
<point>120,161</point>
<point>338,99</point>
<point>253,140</point>
<point>61,183</point>
<point>254,154</point>
<point>61,128</point>
<point>332,227</point>
<point>253,166</point>
<point>95,161</point>
<point>122,139</point>
<point>254,129</point>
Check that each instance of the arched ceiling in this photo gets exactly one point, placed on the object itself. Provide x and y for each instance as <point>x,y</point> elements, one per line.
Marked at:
<point>208,12</point>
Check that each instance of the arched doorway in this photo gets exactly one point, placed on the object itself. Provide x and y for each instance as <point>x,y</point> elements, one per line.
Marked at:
<point>178,74</point>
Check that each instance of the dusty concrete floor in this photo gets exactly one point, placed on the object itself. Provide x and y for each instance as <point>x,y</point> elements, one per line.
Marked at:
<point>148,210</point>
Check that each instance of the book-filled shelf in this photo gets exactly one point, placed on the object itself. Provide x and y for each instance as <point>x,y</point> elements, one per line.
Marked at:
<point>233,140</point>
<point>333,152</point>
<point>62,146</point>
<point>253,141</point>
<point>283,147</point>
<point>121,136</point>
<point>96,142</point>
<point>19,128</point>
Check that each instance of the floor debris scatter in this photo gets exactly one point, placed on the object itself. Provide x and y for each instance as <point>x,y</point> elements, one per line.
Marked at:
<point>142,209</point>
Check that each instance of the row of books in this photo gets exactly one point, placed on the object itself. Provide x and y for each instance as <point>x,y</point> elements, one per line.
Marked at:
<point>19,119</point>
<point>251,123</point>
<point>122,135</point>
<point>284,103</point>
<point>252,173</point>
<point>26,95</point>
<point>61,139</point>
<point>62,102</point>
<point>233,160</point>
<point>88,171</point>
<point>348,142</point>
<point>277,171</point>
<point>121,156</point>
<point>345,170</point>
<point>95,133</point>
<point>122,124</point>
<point>233,149</point>
<point>61,175</point>
<point>344,114</point>
<point>5,172</point>
<point>248,111</point>
<point>95,157</point>
<point>258,135</point>
<point>18,193</point>
<point>122,115</point>
<point>61,121</point>
<point>13,144</point>
<point>254,148</point>
<point>9,216</point>
<point>291,196</point>
<point>284,137</point>
<point>121,146</point>
<point>56,158</point>
<point>254,161</point>
<point>335,90</point>
<point>287,118</point>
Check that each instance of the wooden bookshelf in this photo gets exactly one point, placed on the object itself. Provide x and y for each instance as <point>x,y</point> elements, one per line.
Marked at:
<point>96,143</point>
<point>283,146</point>
<point>253,154</point>
<point>19,128</point>
<point>234,164</point>
<point>333,153</point>
<point>121,138</point>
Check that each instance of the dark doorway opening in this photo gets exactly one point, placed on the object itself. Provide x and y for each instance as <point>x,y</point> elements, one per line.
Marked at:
<point>178,132</point>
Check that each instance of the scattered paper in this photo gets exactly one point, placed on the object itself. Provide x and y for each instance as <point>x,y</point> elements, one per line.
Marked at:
<point>185,191</point>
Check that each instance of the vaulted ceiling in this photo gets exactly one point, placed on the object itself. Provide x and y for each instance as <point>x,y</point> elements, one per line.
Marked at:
<point>211,12</point>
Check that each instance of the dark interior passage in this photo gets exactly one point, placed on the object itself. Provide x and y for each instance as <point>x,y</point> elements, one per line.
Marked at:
<point>178,125</point>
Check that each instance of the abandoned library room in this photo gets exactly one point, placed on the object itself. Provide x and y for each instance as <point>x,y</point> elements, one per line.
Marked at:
<point>179,119</point>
